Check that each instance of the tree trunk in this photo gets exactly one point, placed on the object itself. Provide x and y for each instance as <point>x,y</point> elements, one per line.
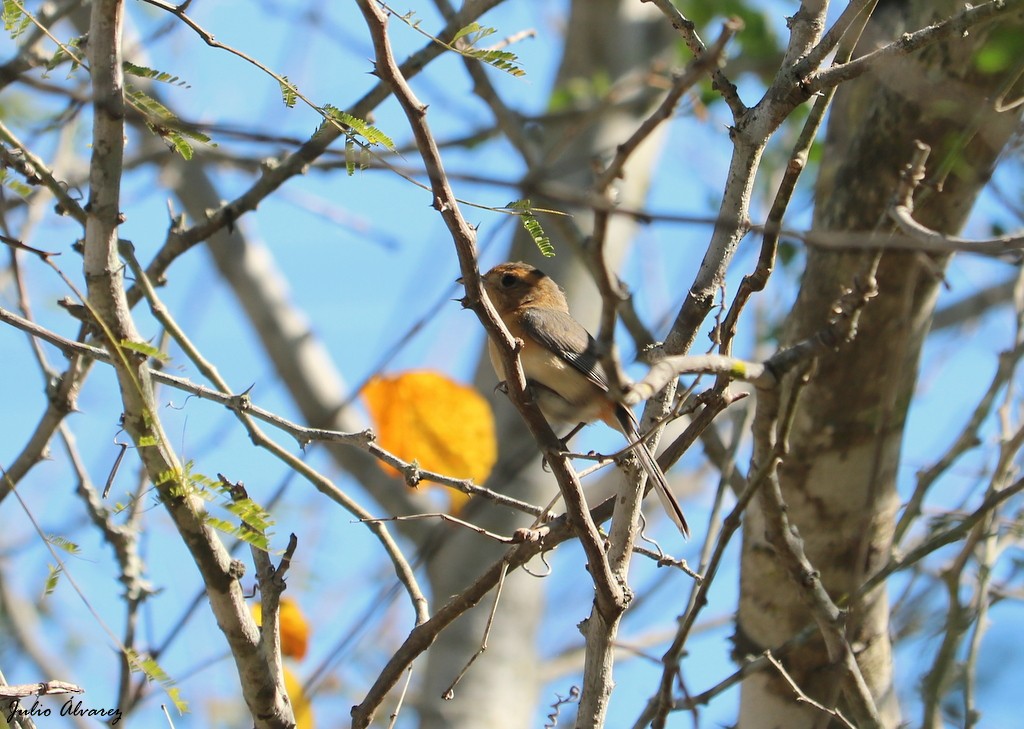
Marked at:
<point>839,478</point>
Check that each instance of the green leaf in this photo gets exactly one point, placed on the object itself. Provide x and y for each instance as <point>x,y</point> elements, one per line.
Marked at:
<point>15,21</point>
<point>146,349</point>
<point>152,74</point>
<point>501,60</point>
<point>180,145</point>
<point>194,484</point>
<point>148,105</point>
<point>164,123</point>
<point>14,184</point>
<point>181,484</point>
<point>359,128</point>
<point>251,514</point>
<point>200,480</point>
<point>533,226</point>
<point>168,476</point>
<point>475,30</point>
<point>177,138</point>
<point>152,670</point>
<point>350,157</point>
<point>51,580</point>
<point>1002,50</point>
<point>63,543</point>
<point>254,519</point>
<point>256,539</point>
<point>60,55</point>
<point>471,35</point>
<point>288,93</point>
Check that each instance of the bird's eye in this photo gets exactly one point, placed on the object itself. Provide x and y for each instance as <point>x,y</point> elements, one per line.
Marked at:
<point>509,280</point>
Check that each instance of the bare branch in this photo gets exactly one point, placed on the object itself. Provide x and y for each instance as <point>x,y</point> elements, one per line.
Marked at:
<point>264,695</point>
<point>688,31</point>
<point>46,688</point>
<point>609,593</point>
<point>801,696</point>
<point>959,24</point>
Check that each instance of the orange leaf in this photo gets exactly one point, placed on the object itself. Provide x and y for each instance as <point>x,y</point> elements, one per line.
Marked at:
<point>294,628</point>
<point>300,702</point>
<point>442,425</point>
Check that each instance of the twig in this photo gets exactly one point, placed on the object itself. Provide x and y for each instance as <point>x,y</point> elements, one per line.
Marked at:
<point>902,212</point>
<point>263,692</point>
<point>661,703</point>
<point>45,688</point>
<point>910,42</point>
<point>967,439</point>
<point>449,693</point>
<point>401,698</point>
<point>542,539</point>
<point>32,168</point>
<point>69,577</point>
<point>845,32</point>
<point>451,519</point>
<point>688,31</point>
<point>29,54</point>
<point>708,61</point>
<point>124,541</point>
<point>801,696</point>
<point>665,560</point>
<point>23,630</point>
<point>947,536</point>
<point>1008,247</point>
<point>761,374</point>
<point>510,123</point>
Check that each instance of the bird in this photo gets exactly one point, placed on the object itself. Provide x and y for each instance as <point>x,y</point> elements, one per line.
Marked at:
<point>561,364</point>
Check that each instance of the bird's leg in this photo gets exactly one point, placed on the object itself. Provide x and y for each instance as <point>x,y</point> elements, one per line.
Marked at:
<point>531,386</point>
<point>576,429</point>
<point>564,443</point>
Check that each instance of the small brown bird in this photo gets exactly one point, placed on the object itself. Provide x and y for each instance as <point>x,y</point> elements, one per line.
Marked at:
<point>561,364</point>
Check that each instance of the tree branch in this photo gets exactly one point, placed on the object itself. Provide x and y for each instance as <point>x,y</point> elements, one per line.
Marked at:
<point>264,696</point>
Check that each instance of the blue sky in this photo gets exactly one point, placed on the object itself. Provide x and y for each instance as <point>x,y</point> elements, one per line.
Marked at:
<point>363,274</point>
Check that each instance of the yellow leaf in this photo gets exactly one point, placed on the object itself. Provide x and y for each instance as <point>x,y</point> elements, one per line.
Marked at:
<point>300,702</point>
<point>444,426</point>
<point>294,628</point>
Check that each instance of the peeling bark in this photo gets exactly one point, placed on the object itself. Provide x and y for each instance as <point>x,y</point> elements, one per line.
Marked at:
<point>839,478</point>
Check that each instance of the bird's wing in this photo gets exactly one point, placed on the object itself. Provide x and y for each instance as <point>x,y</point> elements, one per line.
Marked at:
<point>558,332</point>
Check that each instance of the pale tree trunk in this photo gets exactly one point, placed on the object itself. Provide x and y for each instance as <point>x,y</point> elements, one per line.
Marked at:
<point>839,477</point>
<point>617,41</point>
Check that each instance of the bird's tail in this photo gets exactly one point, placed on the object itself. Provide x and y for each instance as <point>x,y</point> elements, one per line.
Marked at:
<point>631,429</point>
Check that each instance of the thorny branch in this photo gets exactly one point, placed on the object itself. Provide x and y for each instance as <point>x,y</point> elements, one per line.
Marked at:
<point>609,593</point>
